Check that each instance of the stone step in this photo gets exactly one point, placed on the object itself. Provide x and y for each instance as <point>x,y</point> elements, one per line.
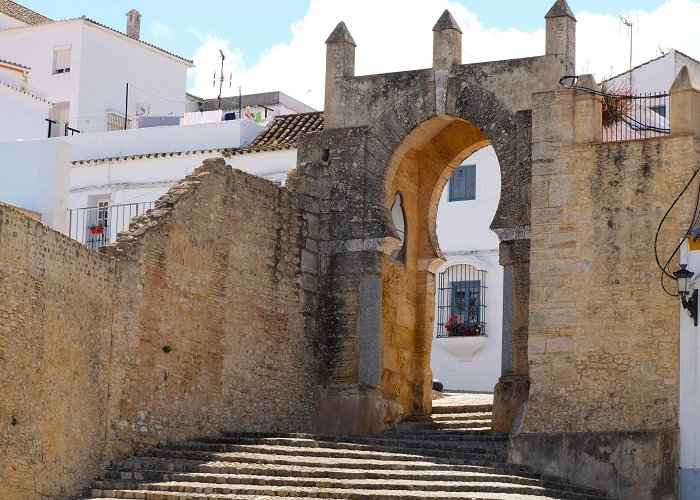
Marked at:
<point>325,488</point>
<point>448,424</point>
<point>476,408</point>
<point>384,442</point>
<point>194,451</point>
<point>178,463</point>
<point>444,417</point>
<point>163,470</point>
<point>364,495</point>
<point>440,435</point>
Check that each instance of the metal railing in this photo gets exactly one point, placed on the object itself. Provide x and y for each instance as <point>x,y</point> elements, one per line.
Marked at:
<point>627,117</point>
<point>98,226</point>
<point>461,307</point>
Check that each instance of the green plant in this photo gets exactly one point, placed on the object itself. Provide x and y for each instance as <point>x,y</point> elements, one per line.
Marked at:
<point>166,349</point>
<point>616,102</point>
<point>455,328</point>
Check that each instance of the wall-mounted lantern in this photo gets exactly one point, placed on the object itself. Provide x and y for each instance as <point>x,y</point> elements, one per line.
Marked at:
<point>683,276</point>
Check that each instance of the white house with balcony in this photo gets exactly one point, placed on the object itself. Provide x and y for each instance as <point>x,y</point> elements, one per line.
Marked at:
<point>94,75</point>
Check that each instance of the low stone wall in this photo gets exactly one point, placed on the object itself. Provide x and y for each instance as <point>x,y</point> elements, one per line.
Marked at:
<point>56,311</point>
<point>193,323</point>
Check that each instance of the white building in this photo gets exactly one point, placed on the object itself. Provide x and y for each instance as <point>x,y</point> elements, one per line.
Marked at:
<point>24,109</point>
<point>84,67</point>
<point>469,286</point>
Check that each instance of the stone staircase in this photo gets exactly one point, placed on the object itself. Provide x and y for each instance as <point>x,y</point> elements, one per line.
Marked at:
<point>449,454</point>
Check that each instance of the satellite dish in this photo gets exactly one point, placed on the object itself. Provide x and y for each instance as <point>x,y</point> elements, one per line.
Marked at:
<point>142,109</point>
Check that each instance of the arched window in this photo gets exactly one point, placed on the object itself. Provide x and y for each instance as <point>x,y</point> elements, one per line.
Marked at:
<point>399,218</point>
<point>461,309</point>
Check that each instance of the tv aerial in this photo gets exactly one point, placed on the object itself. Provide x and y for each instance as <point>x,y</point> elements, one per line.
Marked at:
<point>221,77</point>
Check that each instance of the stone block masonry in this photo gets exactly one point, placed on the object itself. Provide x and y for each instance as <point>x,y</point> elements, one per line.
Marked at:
<point>191,324</point>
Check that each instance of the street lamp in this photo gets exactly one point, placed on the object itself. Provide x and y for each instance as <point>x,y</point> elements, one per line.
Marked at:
<point>683,276</point>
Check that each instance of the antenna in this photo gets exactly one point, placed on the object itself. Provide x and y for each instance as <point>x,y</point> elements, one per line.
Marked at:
<point>627,21</point>
<point>221,75</point>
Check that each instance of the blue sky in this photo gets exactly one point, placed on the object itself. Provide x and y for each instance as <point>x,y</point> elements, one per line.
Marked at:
<point>278,44</point>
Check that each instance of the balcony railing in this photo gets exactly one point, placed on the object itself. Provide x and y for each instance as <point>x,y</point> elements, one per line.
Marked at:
<point>98,226</point>
<point>627,117</point>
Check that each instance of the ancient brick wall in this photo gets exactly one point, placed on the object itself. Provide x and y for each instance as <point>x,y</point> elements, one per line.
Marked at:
<point>55,331</point>
<point>210,335</point>
<point>196,321</point>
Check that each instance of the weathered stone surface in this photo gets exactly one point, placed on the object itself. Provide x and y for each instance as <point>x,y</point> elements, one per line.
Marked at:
<point>194,322</point>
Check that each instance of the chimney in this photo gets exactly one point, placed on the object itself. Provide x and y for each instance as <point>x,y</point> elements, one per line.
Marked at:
<point>133,24</point>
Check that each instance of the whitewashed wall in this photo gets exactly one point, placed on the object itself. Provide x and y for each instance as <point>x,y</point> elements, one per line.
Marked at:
<point>35,175</point>
<point>102,61</point>
<point>689,418</point>
<point>23,115</point>
<point>465,238</point>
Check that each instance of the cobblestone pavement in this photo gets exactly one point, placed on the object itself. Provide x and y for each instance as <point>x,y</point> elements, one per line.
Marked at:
<point>463,398</point>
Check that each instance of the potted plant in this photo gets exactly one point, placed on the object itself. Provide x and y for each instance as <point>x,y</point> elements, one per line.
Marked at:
<point>455,328</point>
<point>96,229</point>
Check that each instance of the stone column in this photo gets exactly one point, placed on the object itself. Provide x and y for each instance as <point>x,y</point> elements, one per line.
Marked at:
<point>685,104</point>
<point>447,42</point>
<point>588,113</point>
<point>561,35</point>
<point>340,63</point>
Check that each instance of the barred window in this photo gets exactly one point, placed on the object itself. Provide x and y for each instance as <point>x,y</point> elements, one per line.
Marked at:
<point>461,307</point>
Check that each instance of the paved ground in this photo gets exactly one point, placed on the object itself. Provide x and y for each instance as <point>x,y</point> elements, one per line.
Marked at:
<point>463,398</point>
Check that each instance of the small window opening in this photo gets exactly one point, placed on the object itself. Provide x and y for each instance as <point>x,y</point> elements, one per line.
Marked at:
<point>399,219</point>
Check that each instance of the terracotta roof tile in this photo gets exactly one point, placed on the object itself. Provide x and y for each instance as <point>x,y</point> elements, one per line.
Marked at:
<point>23,14</point>
<point>284,132</point>
<point>12,63</point>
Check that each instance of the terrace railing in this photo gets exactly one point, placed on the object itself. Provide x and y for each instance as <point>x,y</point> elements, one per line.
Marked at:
<point>98,226</point>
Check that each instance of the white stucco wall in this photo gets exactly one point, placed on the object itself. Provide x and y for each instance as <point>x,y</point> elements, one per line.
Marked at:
<point>24,116</point>
<point>35,175</point>
<point>228,134</point>
<point>465,238</point>
<point>657,76</point>
<point>102,61</point>
<point>689,417</point>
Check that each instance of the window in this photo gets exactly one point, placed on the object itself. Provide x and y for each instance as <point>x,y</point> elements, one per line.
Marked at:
<point>61,60</point>
<point>398,217</point>
<point>463,183</point>
<point>461,307</point>
<point>660,109</point>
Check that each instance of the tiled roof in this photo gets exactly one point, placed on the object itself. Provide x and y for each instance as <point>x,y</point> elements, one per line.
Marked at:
<point>17,89</point>
<point>135,39</point>
<point>11,63</point>
<point>284,131</point>
<point>23,14</point>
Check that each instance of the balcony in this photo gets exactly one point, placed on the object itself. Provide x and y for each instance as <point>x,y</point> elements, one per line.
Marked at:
<point>98,226</point>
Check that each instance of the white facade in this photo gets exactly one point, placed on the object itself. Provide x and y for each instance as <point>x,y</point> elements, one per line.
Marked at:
<point>471,363</point>
<point>139,164</point>
<point>84,67</point>
<point>657,75</point>
<point>24,110</point>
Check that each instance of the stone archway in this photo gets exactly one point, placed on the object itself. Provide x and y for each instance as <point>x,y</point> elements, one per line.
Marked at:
<point>380,132</point>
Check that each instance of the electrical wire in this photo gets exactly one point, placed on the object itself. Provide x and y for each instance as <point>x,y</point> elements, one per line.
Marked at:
<point>693,222</point>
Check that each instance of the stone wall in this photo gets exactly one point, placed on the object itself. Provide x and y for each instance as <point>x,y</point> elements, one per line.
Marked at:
<point>603,335</point>
<point>209,333</point>
<point>194,322</point>
<point>56,310</point>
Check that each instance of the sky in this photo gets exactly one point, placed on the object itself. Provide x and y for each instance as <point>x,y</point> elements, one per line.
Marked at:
<point>279,44</point>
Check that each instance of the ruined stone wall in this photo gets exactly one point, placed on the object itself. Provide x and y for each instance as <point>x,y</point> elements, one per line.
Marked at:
<point>196,321</point>
<point>210,332</point>
<point>55,333</point>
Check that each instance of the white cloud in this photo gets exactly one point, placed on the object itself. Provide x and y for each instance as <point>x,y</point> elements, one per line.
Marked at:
<point>159,31</point>
<point>207,71</point>
<point>297,68</point>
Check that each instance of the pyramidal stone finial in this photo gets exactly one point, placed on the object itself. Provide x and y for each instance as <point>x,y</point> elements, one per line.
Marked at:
<point>446,22</point>
<point>341,34</point>
<point>684,81</point>
<point>560,9</point>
